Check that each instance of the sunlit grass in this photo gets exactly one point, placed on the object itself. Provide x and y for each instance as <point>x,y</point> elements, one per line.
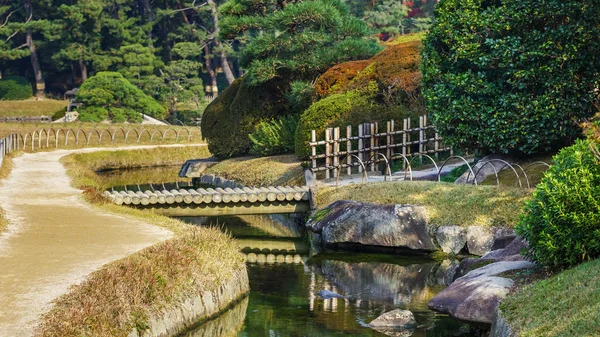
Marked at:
<point>446,204</point>
<point>262,171</point>
<point>31,108</point>
<point>567,304</point>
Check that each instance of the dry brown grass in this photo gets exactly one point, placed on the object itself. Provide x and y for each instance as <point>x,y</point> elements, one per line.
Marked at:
<point>447,204</point>
<point>262,171</point>
<point>120,297</point>
<point>31,108</point>
<point>5,169</point>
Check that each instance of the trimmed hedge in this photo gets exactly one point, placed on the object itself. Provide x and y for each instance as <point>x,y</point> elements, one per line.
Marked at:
<point>15,88</point>
<point>275,136</point>
<point>328,111</point>
<point>511,76</point>
<point>235,114</point>
<point>562,221</point>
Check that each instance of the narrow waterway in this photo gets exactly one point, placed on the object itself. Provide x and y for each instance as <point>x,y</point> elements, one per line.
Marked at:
<point>285,282</point>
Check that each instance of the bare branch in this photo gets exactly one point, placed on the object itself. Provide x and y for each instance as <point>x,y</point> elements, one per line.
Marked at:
<point>191,7</point>
<point>11,36</point>
<point>9,15</point>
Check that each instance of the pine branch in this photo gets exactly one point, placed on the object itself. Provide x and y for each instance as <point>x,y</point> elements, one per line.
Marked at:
<point>193,6</point>
<point>8,16</point>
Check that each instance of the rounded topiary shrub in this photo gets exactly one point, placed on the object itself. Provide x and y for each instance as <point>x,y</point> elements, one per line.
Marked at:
<point>322,114</point>
<point>562,221</point>
<point>110,96</point>
<point>228,121</point>
<point>15,88</point>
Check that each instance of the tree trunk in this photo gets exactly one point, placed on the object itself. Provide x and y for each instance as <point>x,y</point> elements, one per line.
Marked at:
<point>40,86</point>
<point>149,16</point>
<point>211,71</point>
<point>83,69</point>
<point>223,58</point>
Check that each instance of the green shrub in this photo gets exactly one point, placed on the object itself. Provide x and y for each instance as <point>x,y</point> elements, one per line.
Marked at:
<point>301,95</point>
<point>58,114</point>
<point>15,88</point>
<point>516,76</point>
<point>562,221</point>
<point>232,116</point>
<point>108,95</point>
<point>275,136</point>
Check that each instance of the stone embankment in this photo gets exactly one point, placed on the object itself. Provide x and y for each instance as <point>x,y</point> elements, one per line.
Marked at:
<point>185,314</point>
<point>350,224</point>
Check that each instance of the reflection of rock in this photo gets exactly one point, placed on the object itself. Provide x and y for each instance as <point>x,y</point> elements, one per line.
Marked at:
<point>395,318</point>
<point>383,283</point>
<point>401,226</point>
<point>395,332</point>
<point>444,273</point>
<point>476,296</point>
<point>227,324</point>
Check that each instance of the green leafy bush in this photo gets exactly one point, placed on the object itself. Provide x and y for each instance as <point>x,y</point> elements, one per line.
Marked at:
<point>275,136</point>
<point>15,88</point>
<point>562,221</point>
<point>108,95</point>
<point>58,114</point>
<point>301,95</point>
<point>506,76</point>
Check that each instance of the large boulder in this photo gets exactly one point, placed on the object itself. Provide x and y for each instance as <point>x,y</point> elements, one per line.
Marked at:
<point>509,253</point>
<point>394,226</point>
<point>476,296</point>
<point>451,239</point>
<point>482,240</point>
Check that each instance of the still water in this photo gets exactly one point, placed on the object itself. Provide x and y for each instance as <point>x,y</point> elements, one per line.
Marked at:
<point>285,280</point>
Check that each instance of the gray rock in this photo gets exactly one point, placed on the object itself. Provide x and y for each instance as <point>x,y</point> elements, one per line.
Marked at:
<point>510,253</point>
<point>326,294</point>
<point>487,166</point>
<point>451,239</point>
<point>395,318</point>
<point>475,297</point>
<point>195,167</point>
<point>500,327</point>
<point>480,240</point>
<point>397,226</point>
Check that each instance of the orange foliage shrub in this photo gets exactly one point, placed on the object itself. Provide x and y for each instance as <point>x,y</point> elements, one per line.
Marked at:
<point>394,69</point>
<point>336,78</point>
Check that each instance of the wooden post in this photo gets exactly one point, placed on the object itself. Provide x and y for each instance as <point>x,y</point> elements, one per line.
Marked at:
<point>313,149</point>
<point>408,150</point>
<point>393,128</point>
<point>388,140</point>
<point>372,152</point>
<point>360,145</point>
<point>421,137</point>
<point>349,148</point>
<point>404,138</point>
<point>328,134</point>
<point>336,150</point>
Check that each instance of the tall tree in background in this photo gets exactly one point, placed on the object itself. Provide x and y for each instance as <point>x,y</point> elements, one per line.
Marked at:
<point>295,39</point>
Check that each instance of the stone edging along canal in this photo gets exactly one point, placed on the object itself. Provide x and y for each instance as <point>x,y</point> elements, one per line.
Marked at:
<point>190,311</point>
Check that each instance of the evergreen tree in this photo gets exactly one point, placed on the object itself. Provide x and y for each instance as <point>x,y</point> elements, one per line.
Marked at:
<point>295,39</point>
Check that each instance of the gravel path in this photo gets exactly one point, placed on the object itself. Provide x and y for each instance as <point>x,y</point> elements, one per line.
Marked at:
<point>54,239</point>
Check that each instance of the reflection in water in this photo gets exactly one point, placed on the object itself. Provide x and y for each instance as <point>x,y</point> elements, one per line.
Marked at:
<point>284,284</point>
<point>226,325</point>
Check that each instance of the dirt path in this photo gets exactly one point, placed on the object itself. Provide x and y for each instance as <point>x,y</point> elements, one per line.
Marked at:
<point>54,239</point>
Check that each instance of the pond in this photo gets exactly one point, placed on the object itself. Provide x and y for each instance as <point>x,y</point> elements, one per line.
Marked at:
<point>285,280</point>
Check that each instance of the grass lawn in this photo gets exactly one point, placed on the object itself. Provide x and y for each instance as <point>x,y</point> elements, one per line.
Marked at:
<point>262,171</point>
<point>31,108</point>
<point>447,204</point>
<point>567,304</point>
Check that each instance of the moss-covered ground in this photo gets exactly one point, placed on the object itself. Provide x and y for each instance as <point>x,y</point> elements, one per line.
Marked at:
<point>31,108</point>
<point>262,171</point>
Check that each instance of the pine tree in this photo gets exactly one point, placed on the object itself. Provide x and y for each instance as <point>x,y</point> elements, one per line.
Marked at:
<point>294,40</point>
